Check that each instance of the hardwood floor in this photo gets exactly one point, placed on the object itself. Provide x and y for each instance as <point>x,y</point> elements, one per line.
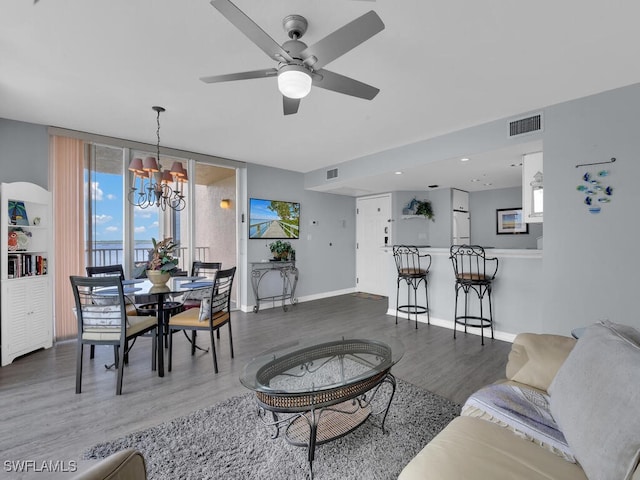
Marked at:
<point>43,419</point>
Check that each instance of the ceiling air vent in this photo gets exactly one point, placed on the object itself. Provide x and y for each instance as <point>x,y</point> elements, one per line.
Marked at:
<point>525,125</point>
<point>333,173</point>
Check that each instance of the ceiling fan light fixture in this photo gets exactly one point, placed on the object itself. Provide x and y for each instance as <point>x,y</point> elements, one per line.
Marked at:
<point>294,81</point>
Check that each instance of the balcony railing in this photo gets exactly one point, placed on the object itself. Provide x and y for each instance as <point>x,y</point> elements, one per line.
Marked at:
<point>114,256</point>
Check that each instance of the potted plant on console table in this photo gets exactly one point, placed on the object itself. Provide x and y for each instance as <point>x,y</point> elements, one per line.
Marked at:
<point>282,250</point>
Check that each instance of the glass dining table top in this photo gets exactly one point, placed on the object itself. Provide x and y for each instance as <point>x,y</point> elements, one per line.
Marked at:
<point>320,364</point>
<point>175,285</point>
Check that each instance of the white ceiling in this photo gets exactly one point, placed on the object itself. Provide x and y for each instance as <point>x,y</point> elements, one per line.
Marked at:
<point>99,66</point>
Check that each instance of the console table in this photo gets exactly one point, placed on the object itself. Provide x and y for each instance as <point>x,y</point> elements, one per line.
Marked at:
<point>288,273</point>
<point>319,390</point>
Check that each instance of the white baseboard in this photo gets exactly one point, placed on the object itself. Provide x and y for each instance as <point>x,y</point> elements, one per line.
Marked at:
<point>307,298</point>
<point>440,322</point>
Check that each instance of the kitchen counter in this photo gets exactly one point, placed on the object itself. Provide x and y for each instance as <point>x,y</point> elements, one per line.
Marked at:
<point>516,290</point>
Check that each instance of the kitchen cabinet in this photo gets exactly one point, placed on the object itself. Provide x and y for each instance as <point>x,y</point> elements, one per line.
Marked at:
<point>459,200</point>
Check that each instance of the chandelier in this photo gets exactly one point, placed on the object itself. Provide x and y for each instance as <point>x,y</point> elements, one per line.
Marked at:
<point>154,182</point>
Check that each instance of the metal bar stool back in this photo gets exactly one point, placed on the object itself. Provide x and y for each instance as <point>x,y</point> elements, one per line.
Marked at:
<point>474,272</point>
<point>413,269</point>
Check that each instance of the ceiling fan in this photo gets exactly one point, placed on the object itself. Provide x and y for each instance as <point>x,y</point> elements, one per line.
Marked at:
<point>301,66</point>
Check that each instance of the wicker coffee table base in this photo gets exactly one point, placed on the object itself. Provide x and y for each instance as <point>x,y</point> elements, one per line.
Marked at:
<point>313,425</point>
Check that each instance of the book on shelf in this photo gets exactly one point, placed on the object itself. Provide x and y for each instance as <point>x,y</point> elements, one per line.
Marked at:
<point>26,265</point>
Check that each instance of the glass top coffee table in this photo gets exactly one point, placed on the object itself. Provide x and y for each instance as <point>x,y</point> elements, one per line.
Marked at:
<point>322,389</point>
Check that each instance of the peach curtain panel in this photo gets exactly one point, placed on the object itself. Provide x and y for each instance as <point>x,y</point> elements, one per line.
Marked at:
<point>67,183</point>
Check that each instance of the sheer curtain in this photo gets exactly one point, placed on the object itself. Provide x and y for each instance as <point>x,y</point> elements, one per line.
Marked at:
<point>66,157</point>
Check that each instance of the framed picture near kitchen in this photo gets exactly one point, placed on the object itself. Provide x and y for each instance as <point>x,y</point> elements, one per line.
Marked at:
<point>510,221</point>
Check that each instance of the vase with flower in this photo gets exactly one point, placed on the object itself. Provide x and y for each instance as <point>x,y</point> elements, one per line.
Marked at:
<point>162,262</point>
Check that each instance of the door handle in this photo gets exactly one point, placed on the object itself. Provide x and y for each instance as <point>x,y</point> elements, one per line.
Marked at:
<point>386,229</point>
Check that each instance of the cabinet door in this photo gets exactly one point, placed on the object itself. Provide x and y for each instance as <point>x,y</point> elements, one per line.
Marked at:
<point>460,200</point>
<point>39,317</point>
<point>27,321</point>
<point>15,330</point>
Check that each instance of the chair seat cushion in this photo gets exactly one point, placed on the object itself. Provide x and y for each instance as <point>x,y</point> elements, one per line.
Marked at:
<point>474,277</point>
<point>192,319</point>
<point>106,333</point>
<point>412,271</point>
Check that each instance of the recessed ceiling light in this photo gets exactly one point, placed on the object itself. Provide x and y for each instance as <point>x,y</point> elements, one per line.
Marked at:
<point>464,159</point>
<point>398,173</point>
<point>475,179</point>
<point>487,184</point>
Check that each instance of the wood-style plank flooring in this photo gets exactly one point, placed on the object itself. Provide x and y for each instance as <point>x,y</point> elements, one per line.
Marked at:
<point>41,417</point>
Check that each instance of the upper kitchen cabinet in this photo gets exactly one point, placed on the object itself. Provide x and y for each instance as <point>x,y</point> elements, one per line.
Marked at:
<point>532,187</point>
<point>460,200</point>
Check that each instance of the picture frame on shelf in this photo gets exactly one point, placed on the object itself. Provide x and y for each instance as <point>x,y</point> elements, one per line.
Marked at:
<point>510,221</point>
<point>17,213</point>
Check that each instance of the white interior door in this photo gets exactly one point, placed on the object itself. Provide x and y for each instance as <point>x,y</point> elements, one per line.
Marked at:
<point>373,232</point>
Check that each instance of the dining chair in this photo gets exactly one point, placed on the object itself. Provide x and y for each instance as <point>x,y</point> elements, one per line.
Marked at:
<point>193,298</point>
<point>101,311</point>
<point>111,271</point>
<point>214,313</point>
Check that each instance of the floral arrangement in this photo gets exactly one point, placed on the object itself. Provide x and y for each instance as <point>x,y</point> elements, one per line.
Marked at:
<point>161,257</point>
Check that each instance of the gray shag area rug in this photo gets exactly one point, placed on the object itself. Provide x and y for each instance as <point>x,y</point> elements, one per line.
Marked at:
<point>229,441</point>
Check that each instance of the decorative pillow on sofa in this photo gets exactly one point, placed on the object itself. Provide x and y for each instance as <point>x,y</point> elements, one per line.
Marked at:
<point>535,358</point>
<point>594,399</point>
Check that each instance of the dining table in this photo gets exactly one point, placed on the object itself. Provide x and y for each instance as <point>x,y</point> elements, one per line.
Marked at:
<point>175,287</point>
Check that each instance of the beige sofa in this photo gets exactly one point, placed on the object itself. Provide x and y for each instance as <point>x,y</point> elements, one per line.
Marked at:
<point>126,464</point>
<point>590,391</point>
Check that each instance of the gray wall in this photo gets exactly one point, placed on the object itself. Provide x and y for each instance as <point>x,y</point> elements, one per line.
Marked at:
<point>24,153</point>
<point>483,206</point>
<point>325,252</point>
<point>590,261</point>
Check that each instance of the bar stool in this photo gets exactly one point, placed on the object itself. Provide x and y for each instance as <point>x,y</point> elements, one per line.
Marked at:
<point>413,269</point>
<point>473,272</point>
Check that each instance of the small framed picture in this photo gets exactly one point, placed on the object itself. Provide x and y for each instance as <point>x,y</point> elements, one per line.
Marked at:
<point>17,213</point>
<point>511,221</point>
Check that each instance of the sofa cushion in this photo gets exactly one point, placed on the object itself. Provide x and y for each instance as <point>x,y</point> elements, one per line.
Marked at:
<point>535,358</point>
<point>594,399</point>
<point>476,449</point>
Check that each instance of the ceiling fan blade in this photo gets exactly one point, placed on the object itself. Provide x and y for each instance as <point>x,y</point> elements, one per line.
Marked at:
<point>247,26</point>
<point>268,72</point>
<point>341,84</point>
<point>290,105</point>
<point>342,40</point>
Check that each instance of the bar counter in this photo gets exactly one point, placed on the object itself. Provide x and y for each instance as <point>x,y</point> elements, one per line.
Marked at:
<point>517,290</point>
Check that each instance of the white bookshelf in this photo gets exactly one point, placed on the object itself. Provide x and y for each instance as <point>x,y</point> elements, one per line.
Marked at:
<point>26,300</point>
